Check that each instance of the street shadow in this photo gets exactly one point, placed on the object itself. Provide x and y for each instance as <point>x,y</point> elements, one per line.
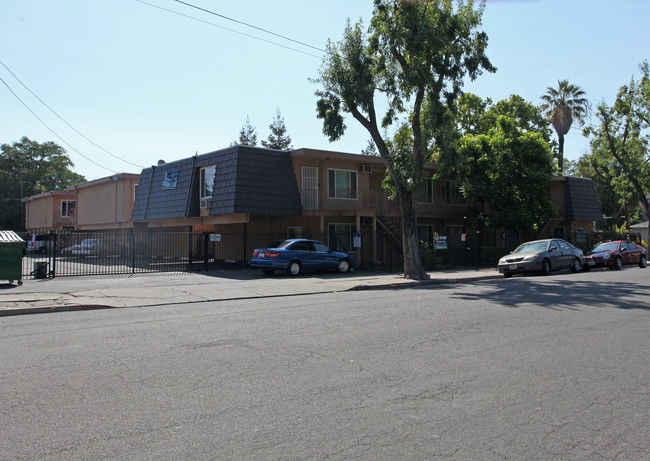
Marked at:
<point>560,294</point>
<point>8,286</point>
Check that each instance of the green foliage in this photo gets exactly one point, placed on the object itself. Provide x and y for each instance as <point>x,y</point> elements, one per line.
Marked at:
<point>370,149</point>
<point>619,144</point>
<point>562,106</point>
<point>506,166</point>
<point>42,167</point>
<point>413,61</point>
<point>247,135</point>
<point>278,138</point>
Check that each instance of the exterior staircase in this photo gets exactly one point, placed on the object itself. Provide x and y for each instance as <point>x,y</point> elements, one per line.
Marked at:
<point>392,226</point>
<point>550,227</point>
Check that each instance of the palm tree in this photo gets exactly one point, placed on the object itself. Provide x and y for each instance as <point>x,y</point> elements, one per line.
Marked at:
<point>564,105</point>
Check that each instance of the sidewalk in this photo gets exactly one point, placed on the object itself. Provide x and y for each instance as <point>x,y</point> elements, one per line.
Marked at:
<point>63,294</point>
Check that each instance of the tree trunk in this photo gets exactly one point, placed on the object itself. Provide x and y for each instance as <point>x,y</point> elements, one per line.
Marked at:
<point>560,156</point>
<point>413,268</point>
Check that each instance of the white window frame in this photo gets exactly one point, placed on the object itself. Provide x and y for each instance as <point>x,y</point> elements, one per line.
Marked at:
<point>203,187</point>
<point>351,190</point>
<point>67,208</point>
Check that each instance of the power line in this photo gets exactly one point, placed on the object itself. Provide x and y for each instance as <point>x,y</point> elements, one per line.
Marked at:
<point>229,30</point>
<point>250,25</point>
<point>64,121</point>
<point>53,132</point>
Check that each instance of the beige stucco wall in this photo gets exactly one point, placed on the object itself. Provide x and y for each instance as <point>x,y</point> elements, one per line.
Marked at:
<point>105,204</point>
<point>44,211</point>
<point>39,213</point>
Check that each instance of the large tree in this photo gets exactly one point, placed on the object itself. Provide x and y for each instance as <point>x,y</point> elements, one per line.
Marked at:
<point>412,63</point>
<point>621,141</point>
<point>28,168</point>
<point>563,105</point>
<point>278,138</point>
<point>505,162</point>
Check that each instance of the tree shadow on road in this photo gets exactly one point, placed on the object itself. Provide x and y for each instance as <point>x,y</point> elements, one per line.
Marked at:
<point>560,295</point>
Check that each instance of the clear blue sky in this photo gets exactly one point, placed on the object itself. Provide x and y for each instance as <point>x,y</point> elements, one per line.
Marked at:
<point>147,84</point>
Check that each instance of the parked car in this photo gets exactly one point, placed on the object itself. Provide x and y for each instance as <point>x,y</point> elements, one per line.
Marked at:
<point>615,255</point>
<point>94,247</point>
<point>296,255</point>
<point>542,256</point>
<point>39,243</point>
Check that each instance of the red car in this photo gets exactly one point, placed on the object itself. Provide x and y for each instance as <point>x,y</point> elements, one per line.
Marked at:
<point>615,255</point>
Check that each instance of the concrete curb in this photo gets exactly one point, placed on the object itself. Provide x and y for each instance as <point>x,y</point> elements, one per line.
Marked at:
<point>387,286</point>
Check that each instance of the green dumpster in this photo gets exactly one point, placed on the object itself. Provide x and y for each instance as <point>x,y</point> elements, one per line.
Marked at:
<point>11,256</point>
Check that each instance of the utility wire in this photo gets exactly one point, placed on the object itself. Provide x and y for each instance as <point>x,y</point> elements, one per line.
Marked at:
<point>64,121</point>
<point>229,30</point>
<point>250,25</point>
<point>53,132</point>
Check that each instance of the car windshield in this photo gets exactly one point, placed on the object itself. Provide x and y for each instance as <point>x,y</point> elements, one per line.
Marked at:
<point>531,246</point>
<point>606,247</point>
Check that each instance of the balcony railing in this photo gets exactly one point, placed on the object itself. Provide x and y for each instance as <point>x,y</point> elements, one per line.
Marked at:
<point>318,199</point>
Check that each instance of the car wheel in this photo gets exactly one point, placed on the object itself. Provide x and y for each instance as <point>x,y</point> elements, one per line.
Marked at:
<point>268,271</point>
<point>294,268</point>
<point>618,264</point>
<point>643,263</point>
<point>42,250</point>
<point>546,267</point>
<point>344,266</point>
<point>577,267</point>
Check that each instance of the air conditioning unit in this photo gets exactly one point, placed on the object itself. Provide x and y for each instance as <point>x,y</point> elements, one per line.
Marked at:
<point>205,203</point>
<point>365,168</point>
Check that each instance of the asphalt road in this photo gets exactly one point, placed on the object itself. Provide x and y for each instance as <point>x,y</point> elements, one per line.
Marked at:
<point>534,368</point>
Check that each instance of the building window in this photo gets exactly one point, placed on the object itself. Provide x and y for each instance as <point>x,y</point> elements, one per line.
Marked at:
<point>340,237</point>
<point>425,191</point>
<point>207,180</point>
<point>453,195</point>
<point>67,208</point>
<point>342,184</point>
<point>294,232</point>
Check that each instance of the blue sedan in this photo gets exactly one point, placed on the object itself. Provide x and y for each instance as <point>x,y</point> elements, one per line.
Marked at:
<point>296,255</point>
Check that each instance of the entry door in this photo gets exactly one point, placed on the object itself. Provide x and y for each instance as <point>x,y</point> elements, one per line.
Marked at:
<point>310,187</point>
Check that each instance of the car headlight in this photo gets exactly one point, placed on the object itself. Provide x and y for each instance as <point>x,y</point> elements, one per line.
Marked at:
<point>532,258</point>
<point>607,256</point>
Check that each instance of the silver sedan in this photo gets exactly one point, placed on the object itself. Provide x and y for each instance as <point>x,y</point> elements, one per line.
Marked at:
<point>542,256</point>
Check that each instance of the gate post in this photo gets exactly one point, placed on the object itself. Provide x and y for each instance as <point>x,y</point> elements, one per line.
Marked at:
<point>206,249</point>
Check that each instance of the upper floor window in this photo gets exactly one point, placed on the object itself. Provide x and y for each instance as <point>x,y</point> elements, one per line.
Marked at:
<point>425,191</point>
<point>207,180</point>
<point>342,184</point>
<point>453,195</point>
<point>67,208</point>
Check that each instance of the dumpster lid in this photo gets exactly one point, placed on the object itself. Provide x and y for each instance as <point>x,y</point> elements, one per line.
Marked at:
<point>9,237</point>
